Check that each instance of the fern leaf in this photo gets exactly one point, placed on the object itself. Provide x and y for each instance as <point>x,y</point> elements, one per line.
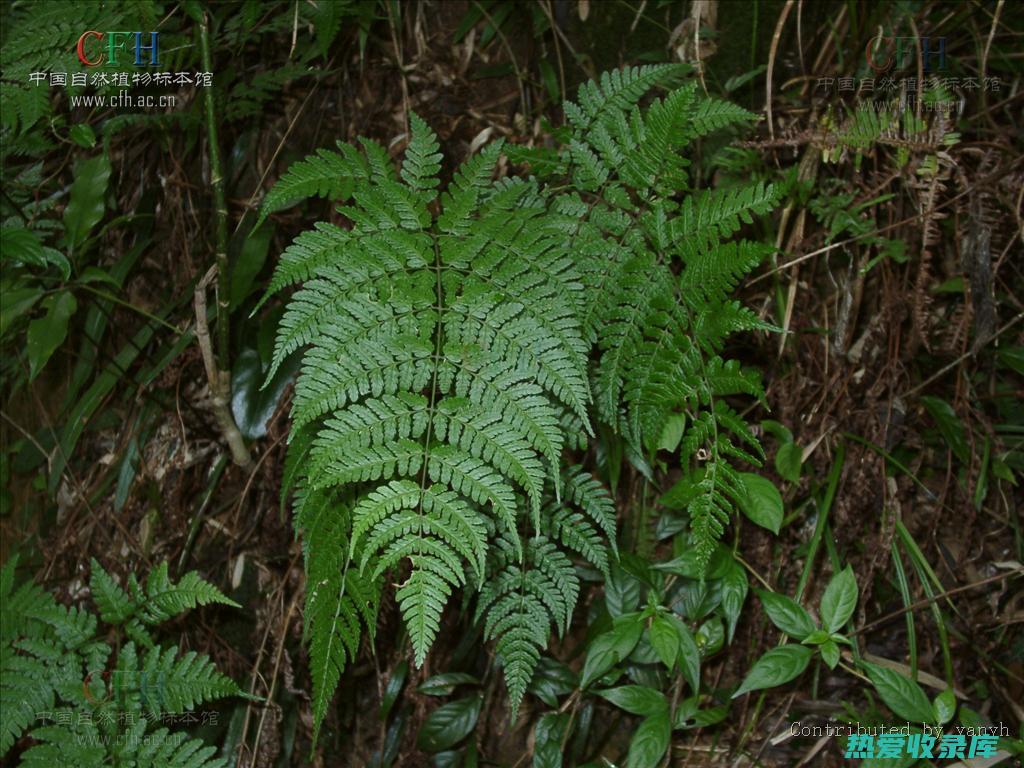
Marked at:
<point>174,684</point>
<point>326,174</point>
<point>116,606</point>
<point>164,599</point>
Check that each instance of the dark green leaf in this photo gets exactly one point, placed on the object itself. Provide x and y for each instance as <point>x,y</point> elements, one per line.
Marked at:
<point>393,688</point>
<point>611,647</point>
<point>839,600</point>
<point>777,667</point>
<point>786,614</point>
<point>689,654</point>
<point>734,592</point>
<point>763,502</point>
<point>901,694</point>
<point>249,263</point>
<point>86,204</point>
<point>665,640</point>
<point>548,737</point>
<point>648,745</point>
<point>449,724</point>
<point>48,332</point>
<point>83,135</point>
<point>552,679</point>
<point>788,461</point>
<point>445,683</point>
<point>830,653</point>
<point>635,699</point>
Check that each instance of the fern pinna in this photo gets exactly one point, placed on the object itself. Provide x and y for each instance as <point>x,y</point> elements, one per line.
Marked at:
<point>452,345</point>
<point>445,371</point>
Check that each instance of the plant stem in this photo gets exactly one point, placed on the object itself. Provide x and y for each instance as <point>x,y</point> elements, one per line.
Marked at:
<point>218,370</point>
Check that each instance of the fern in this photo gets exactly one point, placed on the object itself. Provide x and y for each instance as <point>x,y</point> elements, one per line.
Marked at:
<point>659,274</point>
<point>56,665</point>
<point>444,373</point>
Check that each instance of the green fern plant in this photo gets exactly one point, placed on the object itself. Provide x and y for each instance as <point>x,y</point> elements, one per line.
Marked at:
<point>445,374</point>
<point>449,341</point>
<point>83,704</point>
<point>659,271</point>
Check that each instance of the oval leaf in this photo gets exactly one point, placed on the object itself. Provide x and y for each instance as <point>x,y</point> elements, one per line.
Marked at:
<point>787,614</point>
<point>839,600</point>
<point>778,666</point>
<point>763,502</point>
<point>635,699</point>
<point>612,647</point>
<point>47,333</point>
<point>650,741</point>
<point>449,724</point>
<point>901,694</point>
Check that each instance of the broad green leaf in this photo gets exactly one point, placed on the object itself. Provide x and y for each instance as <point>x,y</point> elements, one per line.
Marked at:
<point>665,640</point>
<point>547,740</point>
<point>83,135</point>
<point>611,647</point>
<point>763,502</point>
<point>787,614</point>
<point>950,426</point>
<point>944,706</point>
<point>86,204</point>
<point>648,745</point>
<point>901,694</point>
<point>445,683</point>
<point>777,667</point>
<point>830,653</point>
<point>449,724</point>
<point>777,430</point>
<point>788,461</point>
<point>48,332</point>
<point>552,679</point>
<point>635,699</point>
<point>734,592</point>
<point>689,655</point>
<point>710,636</point>
<point>839,600</point>
<point>621,592</point>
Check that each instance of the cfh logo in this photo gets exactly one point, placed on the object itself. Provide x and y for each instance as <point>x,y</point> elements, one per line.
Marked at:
<point>98,48</point>
<point>884,53</point>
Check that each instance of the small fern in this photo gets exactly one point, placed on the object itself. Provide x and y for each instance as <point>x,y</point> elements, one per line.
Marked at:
<point>55,667</point>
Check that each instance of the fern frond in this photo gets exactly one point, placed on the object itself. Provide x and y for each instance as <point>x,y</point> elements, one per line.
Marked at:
<point>171,683</point>
<point>78,745</point>
<point>326,174</point>
<point>339,600</point>
<point>618,90</point>
<point>116,606</point>
<point>442,356</point>
<point>518,603</point>
<point>422,159</point>
<point>163,599</point>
